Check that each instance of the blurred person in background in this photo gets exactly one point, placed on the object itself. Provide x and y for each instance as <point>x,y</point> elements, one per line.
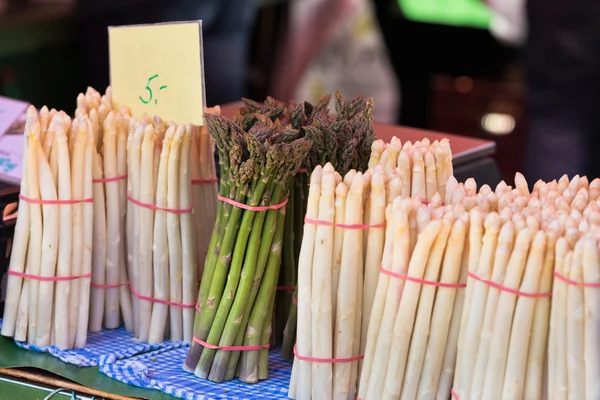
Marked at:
<point>226,28</point>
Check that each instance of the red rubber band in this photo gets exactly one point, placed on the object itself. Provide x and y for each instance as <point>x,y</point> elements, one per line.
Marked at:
<point>48,278</point>
<point>327,360</point>
<point>54,202</point>
<point>302,171</point>
<point>286,288</point>
<point>454,394</point>
<point>575,283</point>
<point>509,290</point>
<point>251,208</point>
<point>343,226</point>
<point>153,207</point>
<point>152,299</point>
<point>423,281</point>
<point>203,181</point>
<point>107,286</point>
<point>294,300</point>
<point>230,348</point>
<point>113,179</point>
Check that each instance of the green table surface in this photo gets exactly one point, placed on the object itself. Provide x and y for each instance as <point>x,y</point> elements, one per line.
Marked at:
<point>11,356</point>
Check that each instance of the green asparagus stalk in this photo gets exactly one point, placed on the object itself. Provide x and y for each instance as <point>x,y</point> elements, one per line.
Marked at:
<point>289,333</point>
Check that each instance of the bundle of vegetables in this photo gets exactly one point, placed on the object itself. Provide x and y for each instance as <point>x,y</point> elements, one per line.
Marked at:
<point>414,176</point>
<point>237,291</point>
<point>53,235</point>
<point>110,296</point>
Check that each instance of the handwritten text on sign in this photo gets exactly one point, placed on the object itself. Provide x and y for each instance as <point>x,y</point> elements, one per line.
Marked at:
<point>157,69</point>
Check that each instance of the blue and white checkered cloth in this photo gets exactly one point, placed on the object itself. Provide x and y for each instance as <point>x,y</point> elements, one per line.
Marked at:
<point>102,347</point>
<point>162,370</point>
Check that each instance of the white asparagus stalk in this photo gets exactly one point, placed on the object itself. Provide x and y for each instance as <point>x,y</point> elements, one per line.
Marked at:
<point>341,195</point>
<point>20,238</point>
<point>63,288</point>
<point>34,253</point>
<point>418,188</point>
<point>431,184</point>
<point>405,172</point>
<point>407,309</point>
<point>188,255</point>
<point>356,365</point>
<point>88,242</point>
<point>49,251</point>
<point>113,226</point>
<point>506,240</point>
<point>443,313</point>
<point>374,251</point>
<point>422,323</point>
<point>377,148</point>
<point>561,249</point>
<point>560,373</point>
<point>303,372</point>
<point>22,314</point>
<point>591,294</point>
<point>476,313</point>
<point>519,262</point>
<point>518,349</point>
<point>198,198</point>
<point>347,291</point>
<point>534,376</point>
<point>44,123</point>
<point>124,291</point>
<point>134,163</point>
<point>174,236</point>
<point>575,328</point>
<point>321,303</point>
<point>99,250</point>
<point>146,222</point>
<point>160,259</point>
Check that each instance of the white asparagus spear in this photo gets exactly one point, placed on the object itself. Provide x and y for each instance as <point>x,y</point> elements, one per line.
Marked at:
<point>347,292</point>
<point>520,336</point>
<point>407,309</point>
<point>63,288</point>
<point>560,390</point>
<point>146,222</point>
<point>22,314</point>
<point>405,172</point>
<point>475,316</point>
<point>376,149</point>
<point>20,237</point>
<point>506,240</point>
<point>443,312</point>
<point>160,258</point>
<point>174,236</point>
<point>575,328</point>
<point>188,256</point>
<point>202,230</point>
<point>443,158</point>
<point>396,260</point>
<point>418,187</point>
<point>322,346</point>
<point>134,163</point>
<point>88,242</point>
<point>124,291</point>
<point>591,294</point>
<point>99,250</point>
<point>374,251</point>
<point>341,195</point>
<point>305,259</point>
<point>44,123</point>
<point>50,235</point>
<point>431,184</point>
<point>422,323</point>
<point>34,253</point>
<point>113,226</point>
<point>519,262</point>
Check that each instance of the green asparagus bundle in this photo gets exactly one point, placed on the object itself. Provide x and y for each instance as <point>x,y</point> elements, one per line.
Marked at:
<point>258,159</point>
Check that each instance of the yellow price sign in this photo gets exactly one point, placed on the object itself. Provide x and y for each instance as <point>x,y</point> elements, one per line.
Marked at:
<point>158,69</point>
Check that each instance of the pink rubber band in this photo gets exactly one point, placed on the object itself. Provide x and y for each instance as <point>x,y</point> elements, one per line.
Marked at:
<point>294,300</point>
<point>343,226</point>
<point>152,299</point>
<point>251,208</point>
<point>575,283</point>
<point>203,181</point>
<point>423,281</point>
<point>113,179</point>
<point>107,286</point>
<point>302,171</point>
<point>55,202</point>
<point>153,207</point>
<point>48,278</point>
<point>198,308</point>
<point>454,394</point>
<point>230,348</point>
<point>286,288</point>
<point>327,360</point>
<point>509,290</point>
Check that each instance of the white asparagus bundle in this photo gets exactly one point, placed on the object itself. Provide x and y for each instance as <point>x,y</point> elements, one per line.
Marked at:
<point>41,308</point>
